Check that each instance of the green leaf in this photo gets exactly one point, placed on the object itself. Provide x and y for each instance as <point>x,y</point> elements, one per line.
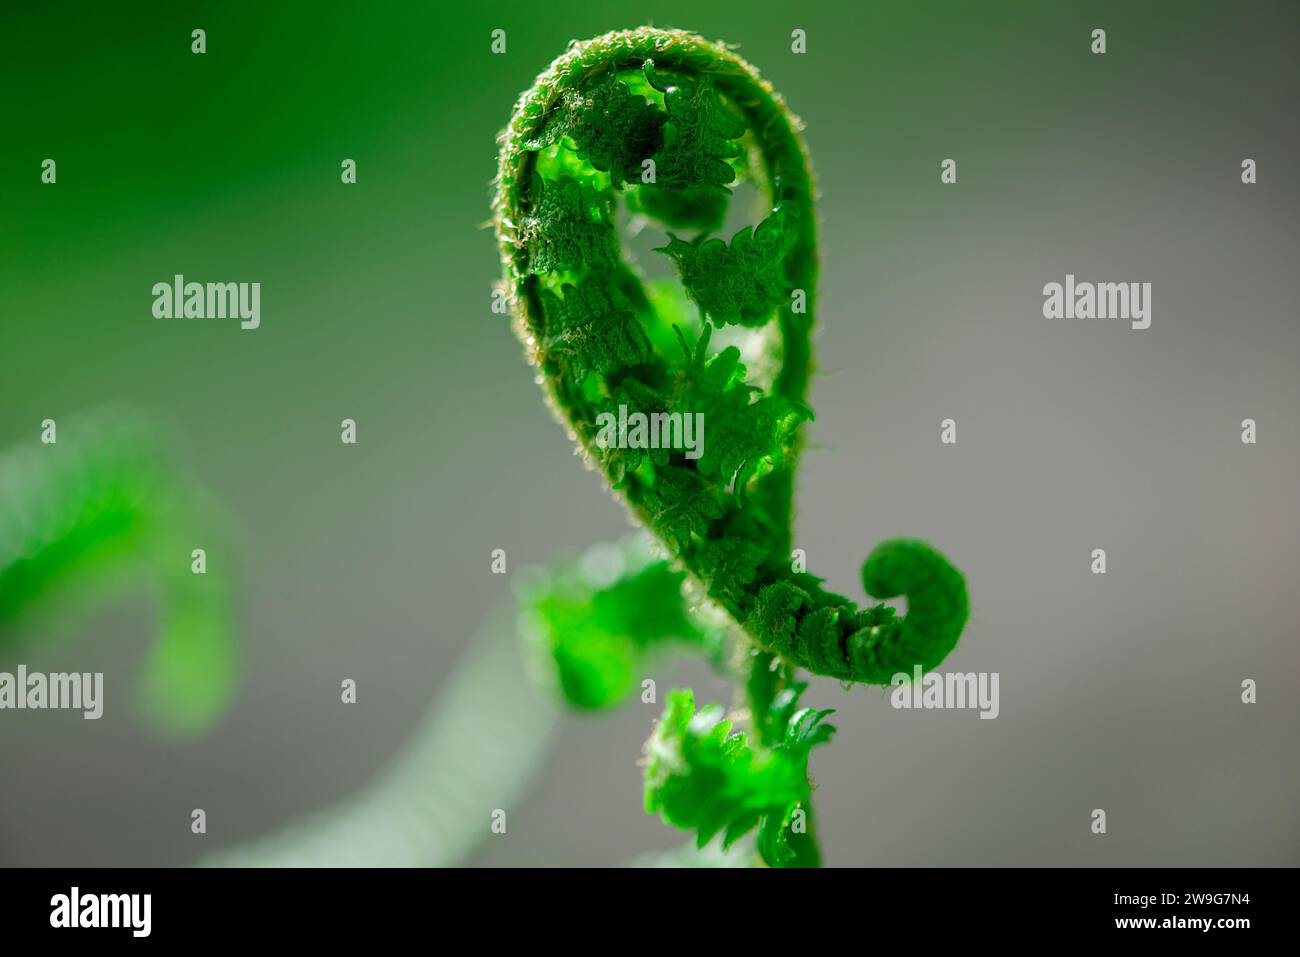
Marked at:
<point>730,566</point>
<point>692,169</point>
<point>702,776</point>
<point>681,505</point>
<point>591,624</point>
<point>568,228</point>
<point>741,283</point>
<point>611,127</point>
<point>741,434</point>
<point>700,135</point>
<point>789,840</point>
<point>591,327</point>
<point>617,454</point>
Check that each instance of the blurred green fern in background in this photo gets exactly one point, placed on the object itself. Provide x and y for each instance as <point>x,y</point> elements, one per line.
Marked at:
<point>104,510</point>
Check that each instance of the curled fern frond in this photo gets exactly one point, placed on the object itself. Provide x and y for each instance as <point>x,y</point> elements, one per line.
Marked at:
<point>578,151</point>
<point>662,125</point>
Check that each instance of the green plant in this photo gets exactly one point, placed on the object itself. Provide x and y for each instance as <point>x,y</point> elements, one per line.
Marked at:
<point>102,510</point>
<point>662,125</point>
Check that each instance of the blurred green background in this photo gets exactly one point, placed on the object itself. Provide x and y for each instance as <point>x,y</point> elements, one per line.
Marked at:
<point>372,562</point>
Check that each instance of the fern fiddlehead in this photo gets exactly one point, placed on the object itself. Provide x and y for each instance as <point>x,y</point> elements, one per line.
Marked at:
<point>674,125</point>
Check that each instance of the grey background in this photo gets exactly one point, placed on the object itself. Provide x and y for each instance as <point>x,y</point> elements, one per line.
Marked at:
<point>1118,691</point>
